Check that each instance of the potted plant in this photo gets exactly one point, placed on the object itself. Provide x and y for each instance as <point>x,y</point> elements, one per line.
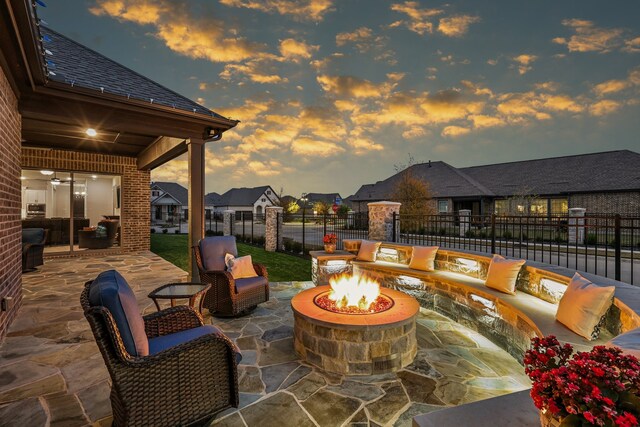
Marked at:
<point>330,241</point>
<point>599,387</point>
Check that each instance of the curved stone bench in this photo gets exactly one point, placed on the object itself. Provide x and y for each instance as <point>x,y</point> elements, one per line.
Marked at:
<point>456,289</point>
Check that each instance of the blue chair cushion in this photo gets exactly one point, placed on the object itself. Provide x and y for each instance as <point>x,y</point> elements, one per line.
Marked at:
<point>250,283</point>
<point>213,250</point>
<point>32,235</point>
<point>111,290</point>
<point>164,342</point>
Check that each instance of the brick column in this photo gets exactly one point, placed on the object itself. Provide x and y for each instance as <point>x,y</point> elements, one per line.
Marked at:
<point>465,221</point>
<point>228,218</point>
<point>576,225</point>
<point>273,228</point>
<point>381,220</point>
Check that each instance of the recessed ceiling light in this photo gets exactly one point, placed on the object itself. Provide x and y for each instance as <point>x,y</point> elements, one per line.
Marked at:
<point>94,176</point>
<point>91,132</point>
<point>23,178</point>
<point>46,172</point>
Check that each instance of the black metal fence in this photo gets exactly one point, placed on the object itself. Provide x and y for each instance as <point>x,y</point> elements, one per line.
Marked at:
<point>606,245</point>
<point>302,232</point>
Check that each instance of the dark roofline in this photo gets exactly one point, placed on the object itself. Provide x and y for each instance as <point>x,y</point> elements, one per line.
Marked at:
<point>550,158</point>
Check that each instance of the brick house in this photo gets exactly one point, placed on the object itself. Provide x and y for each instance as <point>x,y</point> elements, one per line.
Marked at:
<point>79,134</point>
<point>604,183</point>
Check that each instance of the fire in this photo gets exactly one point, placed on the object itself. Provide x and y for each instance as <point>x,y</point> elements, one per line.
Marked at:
<point>353,291</point>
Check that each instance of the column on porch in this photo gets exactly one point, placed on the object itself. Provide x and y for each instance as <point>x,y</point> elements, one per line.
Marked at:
<point>195,156</point>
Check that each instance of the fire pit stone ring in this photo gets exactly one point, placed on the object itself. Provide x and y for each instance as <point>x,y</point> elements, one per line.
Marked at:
<point>355,344</point>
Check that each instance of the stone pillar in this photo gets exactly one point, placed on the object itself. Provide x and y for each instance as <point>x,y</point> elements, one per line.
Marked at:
<point>381,220</point>
<point>195,155</point>
<point>273,228</point>
<point>465,221</point>
<point>228,218</point>
<point>576,225</point>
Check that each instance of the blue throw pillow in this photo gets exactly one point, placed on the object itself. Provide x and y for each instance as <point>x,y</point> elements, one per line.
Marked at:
<point>111,290</point>
<point>32,235</point>
<point>213,250</point>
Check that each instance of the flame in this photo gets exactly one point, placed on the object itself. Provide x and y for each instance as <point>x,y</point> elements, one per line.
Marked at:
<point>353,291</point>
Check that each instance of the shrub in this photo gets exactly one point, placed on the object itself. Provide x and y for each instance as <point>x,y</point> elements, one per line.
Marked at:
<point>165,231</point>
<point>469,233</point>
<point>591,239</point>
<point>210,233</point>
<point>153,230</point>
<point>507,235</point>
<point>176,231</point>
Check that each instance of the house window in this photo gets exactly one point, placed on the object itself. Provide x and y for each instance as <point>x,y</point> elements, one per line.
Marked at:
<point>155,193</point>
<point>264,200</point>
<point>268,192</point>
<point>501,207</point>
<point>443,206</point>
<point>539,206</point>
<point>559,206</point>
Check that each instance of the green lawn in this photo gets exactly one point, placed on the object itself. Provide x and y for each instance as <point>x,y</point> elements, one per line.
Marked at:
<point>281,267</point>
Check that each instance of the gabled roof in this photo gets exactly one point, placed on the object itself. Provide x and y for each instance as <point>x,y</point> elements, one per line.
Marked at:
<point>175,190</point>
<point>212,199</point>
<point>320,197</point>
<point>594,172</point>
<point>77,65</point>
<point>444,181</point>
<point>244,196</point>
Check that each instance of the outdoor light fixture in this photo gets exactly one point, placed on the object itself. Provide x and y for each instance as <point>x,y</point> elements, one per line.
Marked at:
<point>94,176</point>
<point>552,287</point>
<point>468,265</point>
<point>47,173</point>
<point>23,178</point>
<point>91,132</point>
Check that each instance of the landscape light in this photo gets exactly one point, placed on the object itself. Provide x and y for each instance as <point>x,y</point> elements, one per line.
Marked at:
<point>91,132</point>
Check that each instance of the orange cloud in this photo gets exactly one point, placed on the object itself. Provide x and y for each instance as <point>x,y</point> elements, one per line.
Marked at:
<point>300,10</point>
<point>349,86</point>
<point>456,26</point>
<point>610,86</point>
<point>309,147</point>
<point>184,34</point>
<point>419,19</point>
<point>524,61</point>
<point>604,107</point>
<point>455,131</point>
<point>294,50</point>
<point>589,38</point>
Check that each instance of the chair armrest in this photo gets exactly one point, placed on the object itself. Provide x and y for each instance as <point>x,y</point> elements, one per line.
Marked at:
<point>26,247</point>
<point>171,320</point>
<point>261,270</point>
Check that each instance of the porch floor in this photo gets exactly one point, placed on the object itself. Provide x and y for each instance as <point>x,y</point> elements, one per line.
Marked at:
<point>51,372</point>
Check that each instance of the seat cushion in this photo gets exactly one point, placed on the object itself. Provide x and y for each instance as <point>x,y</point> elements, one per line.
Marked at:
<point>111,290</point>
<point>213,250</point>
<point>32,235</point>
<point>629,342</point>
<point>250,283</point>
<point>158,344</point>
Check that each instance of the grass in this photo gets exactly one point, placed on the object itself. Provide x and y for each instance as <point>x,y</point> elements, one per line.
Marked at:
<point>281,267</point>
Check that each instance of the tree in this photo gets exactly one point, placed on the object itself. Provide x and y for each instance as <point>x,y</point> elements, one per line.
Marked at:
<point>343,210</point>
<point>322,208</point>
<point>288,204</point>
<point>415,195</point>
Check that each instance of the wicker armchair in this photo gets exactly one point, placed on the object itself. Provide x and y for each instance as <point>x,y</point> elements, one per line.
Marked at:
<point>179,385</point>
<point>229,296</point>
<point>33,240</point>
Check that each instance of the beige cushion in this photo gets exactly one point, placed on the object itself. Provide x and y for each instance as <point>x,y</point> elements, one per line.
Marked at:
<point>503,273</point>
<point>368,250</point>
<point>583,305</point>
<point>423,258</point>
<point>629,342</point>
<point>241,267</point>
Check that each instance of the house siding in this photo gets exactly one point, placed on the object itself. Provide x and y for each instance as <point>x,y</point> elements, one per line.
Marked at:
<point>10,225</point>
<point>135,223</point>
<point>623,203</point>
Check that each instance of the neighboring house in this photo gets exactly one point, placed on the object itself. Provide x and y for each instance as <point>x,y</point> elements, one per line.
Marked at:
<point>169,202</point>
<point>247,200</point>
<point>211,200</point>
<point>607,182</point>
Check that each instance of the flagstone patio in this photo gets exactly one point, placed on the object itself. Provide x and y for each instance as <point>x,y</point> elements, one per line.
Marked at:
<point>51,372</point>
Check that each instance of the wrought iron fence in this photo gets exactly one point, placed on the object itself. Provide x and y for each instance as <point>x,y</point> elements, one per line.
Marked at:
<point>249,228</point>
<point>606,245</point>
<point>302,232</point>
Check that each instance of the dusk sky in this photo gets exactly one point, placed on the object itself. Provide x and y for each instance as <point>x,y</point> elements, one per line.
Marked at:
<point>332,94</point>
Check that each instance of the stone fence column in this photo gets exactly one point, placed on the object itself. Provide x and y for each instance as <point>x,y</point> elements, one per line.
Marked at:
<point>576,225</point>
<point>273,228</point>
<point>465,221</point>
<point>381,220</point>
<point>228,218</point>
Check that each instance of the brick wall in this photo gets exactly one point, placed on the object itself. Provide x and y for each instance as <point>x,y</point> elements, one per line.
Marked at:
<point>10,226</point>
<point>135,186</point>
<point>607,203</point>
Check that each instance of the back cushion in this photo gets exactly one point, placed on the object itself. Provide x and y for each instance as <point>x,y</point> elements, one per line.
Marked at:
<point>368,250</point>
<point>111,290</point>
<point>213,250</point>
<point>32,235</point>
<point>423,258</point>
<point>503,273</point>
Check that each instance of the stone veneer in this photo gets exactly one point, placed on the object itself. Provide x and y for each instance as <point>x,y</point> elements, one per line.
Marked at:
<point>356,344</point>
<point>381,220</point>
<point>10,226</point>
<point>135,222</point>
<point>228,217</point>
<point>324,266</point>
<point>273,228</point>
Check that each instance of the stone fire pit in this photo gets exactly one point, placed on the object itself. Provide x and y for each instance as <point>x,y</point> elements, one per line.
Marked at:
<point>355,344</point>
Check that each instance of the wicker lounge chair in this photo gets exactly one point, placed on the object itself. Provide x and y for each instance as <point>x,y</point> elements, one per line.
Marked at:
<point>33,240</point>
<point>228,296</point>
<point>167,368</point>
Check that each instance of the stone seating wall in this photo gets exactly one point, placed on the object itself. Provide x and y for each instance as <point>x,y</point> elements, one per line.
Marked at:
<point>456,289</point>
